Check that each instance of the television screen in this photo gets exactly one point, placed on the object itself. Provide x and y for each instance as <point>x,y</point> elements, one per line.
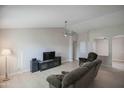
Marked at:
<point>48,55</point>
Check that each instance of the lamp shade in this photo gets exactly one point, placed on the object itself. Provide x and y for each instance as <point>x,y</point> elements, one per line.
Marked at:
<point>6,52</point>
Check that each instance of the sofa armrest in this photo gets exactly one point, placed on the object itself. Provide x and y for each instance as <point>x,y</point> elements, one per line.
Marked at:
<point>64,72</point>
<point>55,80</point>
<point>82,59</point>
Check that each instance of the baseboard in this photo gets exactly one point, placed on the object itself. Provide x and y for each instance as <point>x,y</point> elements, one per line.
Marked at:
<point>15,73</point>
<point>68,60</point>
<point>118,60</point>
<point>20,72</point>
<point>106,65</point>
<point>76,60</point>
<point>64,61</point>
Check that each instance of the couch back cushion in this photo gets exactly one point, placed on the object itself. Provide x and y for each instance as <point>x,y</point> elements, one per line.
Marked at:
<point>88,64</point>
<point>73,76</point>
<point>83,75</point>
<point>93,68</point>
<point>91,64</point>
<point>85,81</point>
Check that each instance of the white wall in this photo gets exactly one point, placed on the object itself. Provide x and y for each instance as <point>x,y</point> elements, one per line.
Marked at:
<point>102,47</point>
<point>29,43</point>
<point>109,33</point>
<point>106,32</point>
<point>118,49</point>
<point>82,44</point>
<point>73,48</point>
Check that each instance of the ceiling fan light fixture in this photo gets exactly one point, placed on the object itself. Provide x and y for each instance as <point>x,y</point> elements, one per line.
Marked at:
<point>65,35</point>
<point>67,32</point>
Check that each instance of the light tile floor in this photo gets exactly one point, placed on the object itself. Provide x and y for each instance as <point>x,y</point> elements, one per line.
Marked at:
<point>118,65</point>
<point>107,77</point>
<point>37,79</point>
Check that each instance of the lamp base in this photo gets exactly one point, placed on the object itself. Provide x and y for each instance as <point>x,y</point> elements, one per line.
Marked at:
<point>6,79</point>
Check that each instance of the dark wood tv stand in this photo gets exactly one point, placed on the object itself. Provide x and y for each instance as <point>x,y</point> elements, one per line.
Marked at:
<point>43,65</point>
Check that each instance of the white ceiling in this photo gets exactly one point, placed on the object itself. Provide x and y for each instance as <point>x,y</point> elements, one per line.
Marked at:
<point>80,18</point>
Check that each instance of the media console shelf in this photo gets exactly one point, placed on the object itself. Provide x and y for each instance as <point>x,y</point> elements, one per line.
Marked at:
<point>43,65</point>
<point>49,61</point>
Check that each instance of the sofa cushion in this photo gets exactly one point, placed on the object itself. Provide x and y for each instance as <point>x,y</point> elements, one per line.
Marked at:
<point>55,80</point>
<point>88,64</point>
<point>73,76</point>
<point>64,72</point>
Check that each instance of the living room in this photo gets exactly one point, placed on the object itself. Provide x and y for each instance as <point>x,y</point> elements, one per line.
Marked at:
<point>72,32</point>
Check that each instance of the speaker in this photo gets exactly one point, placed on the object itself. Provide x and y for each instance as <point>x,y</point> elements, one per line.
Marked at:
<point>58,59</point>
<point>34,65</point>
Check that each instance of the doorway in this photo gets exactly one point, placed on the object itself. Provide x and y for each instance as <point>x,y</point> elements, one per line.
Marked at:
<point>118,52</point>
<point>101,47</point>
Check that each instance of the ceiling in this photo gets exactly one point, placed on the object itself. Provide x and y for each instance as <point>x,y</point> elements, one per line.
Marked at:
<point>79,17</point>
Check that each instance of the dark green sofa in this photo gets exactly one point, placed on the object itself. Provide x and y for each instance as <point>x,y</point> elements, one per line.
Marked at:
<point>78,78</point>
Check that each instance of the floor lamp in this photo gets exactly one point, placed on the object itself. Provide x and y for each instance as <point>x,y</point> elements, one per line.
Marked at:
<point>6,53</point>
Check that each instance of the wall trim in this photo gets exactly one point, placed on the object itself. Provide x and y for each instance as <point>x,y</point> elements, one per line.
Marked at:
<point>110,66</point>
<point>15,73</point>
<point>118,60</point>
<point>20,72</point>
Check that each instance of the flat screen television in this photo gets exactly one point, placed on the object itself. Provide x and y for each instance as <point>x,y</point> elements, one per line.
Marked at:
<point>48,55</point>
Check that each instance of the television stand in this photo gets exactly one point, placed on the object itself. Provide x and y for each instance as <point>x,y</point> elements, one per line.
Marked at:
<point>43,65</point>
